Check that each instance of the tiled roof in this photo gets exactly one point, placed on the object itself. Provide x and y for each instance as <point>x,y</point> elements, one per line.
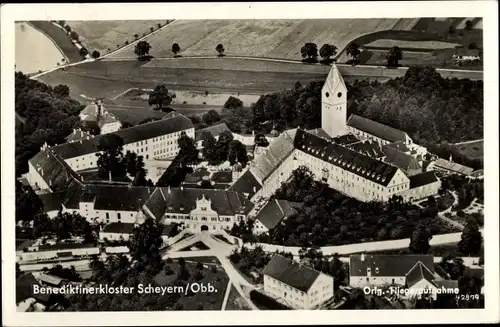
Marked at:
<point>215,130</point>
<point>268,161</point>
<point>346,139</point>
<point>107,118</point>
<point>78,135</point>
<point>273,212</point>
<point>222,177</point>
<point>367,148</point>
<point>388,265</point>
<point>452,166</point>
<point>53,201</point>
<point>400,146</point>
<point>446,283</point>
<point>119,228</point>
<point>376,129</point>
<point>176,123</point>
<point>377,171</point>
<point>290,272</point>
<point>50,279</point>
<point>247,184</point>
<point>54,170</point>
<point>126,198</point>
<point>183,200</point>
<point>400,159</point>
<point>319,132</point>
<point>422,179</point>
<point>417,273</point>
<point>90,112</point>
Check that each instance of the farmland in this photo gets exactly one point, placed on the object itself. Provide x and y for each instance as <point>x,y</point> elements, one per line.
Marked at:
<point>60,38</point>
<point>261,38</point>
<point>48,56</point>
<point>108,79</point>
<point>106,36</point>
<point>387,43</point>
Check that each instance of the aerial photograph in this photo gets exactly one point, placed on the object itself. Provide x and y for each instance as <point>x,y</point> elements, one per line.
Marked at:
<point>263,164</point>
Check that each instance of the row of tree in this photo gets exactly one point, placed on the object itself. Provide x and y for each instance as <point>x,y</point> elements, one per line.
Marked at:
<point>142,49</point>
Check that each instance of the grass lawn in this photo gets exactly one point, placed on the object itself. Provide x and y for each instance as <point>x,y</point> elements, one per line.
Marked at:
<point>107,35</point>
<point>222,238</point>
<point>207,260</point>
<point>474,150</point>
<point>60,37</point>
<point>235,301</point>
<point>432,45</point>
<point>201,300</point>
<point>261,38</point>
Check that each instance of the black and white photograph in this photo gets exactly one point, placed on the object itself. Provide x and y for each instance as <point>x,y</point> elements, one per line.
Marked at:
<point>191,159</point>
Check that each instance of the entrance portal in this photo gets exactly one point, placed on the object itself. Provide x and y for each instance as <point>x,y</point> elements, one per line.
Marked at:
<point>204,228</point>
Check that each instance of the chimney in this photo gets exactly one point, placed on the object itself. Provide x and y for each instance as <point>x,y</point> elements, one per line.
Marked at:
<point>253,133</point>
<point>168,190</point>
<point>110,177</point>
<point>254,189</point>
<point>451,158</point>
<point>182,188</point>
<point>362,257</point>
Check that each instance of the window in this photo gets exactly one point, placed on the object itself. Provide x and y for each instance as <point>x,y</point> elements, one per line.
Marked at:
<point>107,215</point>
<point>119,216</point>
<point>327,94</point>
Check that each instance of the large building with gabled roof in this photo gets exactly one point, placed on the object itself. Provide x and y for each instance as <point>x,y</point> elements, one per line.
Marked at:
<point>296,285</point>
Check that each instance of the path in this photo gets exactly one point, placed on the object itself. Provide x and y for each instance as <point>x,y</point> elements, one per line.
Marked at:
<point>468,142</point>
<point>226,296</point>
<point>442,214</point>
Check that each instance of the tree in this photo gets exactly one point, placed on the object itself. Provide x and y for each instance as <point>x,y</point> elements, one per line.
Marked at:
<point>61,91</point>
<point>208,144</point>
<point>220,50</point>
<point>233,103</point>
<point>146,241</point>
<point>327,51</point>
<point>160,97</point>
<point>110,160</point>
<point>419,240</point>
<point>96,54</point>
<point>131,162</point>
<point>309,52</point>
<point>394,55</point>
<point>451,29</point>
<point>468,25</point>
<point>261,140</point>
<point>142,49</point>
<point>353,51</point>
<point>83,52</point>
<point>222,145</point>
<point>136,36</point>
<point>176,49</point>
<point>237,152</point>
<point>188,152</point>
<point>471,240</point>
<point>61,22</point>
<point>140,178</point>
<point>67,28</point>
<point>211,117</point>
<point>74,36</point>
<point>151,29</point>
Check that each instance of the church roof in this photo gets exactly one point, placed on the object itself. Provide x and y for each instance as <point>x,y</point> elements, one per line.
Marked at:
<point>334,79</point>
<point>400,159</point>
<point>266,163</point>
<point>372,169</point>
<point>376,129</point>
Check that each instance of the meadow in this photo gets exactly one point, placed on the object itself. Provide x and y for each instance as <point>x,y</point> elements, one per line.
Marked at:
<point>472,150</point>
<point>262,38</point>
<point>106,36</point>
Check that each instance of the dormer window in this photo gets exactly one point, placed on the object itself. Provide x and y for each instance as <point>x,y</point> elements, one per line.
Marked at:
<point>376,270</point>
<point>203,208</point>
<point>169,207</point>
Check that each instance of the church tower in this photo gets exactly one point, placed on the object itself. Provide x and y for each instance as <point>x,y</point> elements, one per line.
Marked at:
<point>334,104</point>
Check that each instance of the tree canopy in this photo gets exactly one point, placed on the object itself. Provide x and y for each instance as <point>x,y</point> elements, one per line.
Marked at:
<point>142,49</point>
<point>160,97</point>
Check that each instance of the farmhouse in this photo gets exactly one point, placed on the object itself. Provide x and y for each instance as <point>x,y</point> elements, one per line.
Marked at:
<point>95,112</point>
<point>297,285</point>
<point>272,214</point>
<point>416,272</point>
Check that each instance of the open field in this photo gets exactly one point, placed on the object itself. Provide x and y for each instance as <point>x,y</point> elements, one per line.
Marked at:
<point>60,38</point>
<point>472,150</point>
<point>108,79</point>
<point>48,55</point>
<point>106,36</point>
<point>387,43</point>
<point>261,38</point>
